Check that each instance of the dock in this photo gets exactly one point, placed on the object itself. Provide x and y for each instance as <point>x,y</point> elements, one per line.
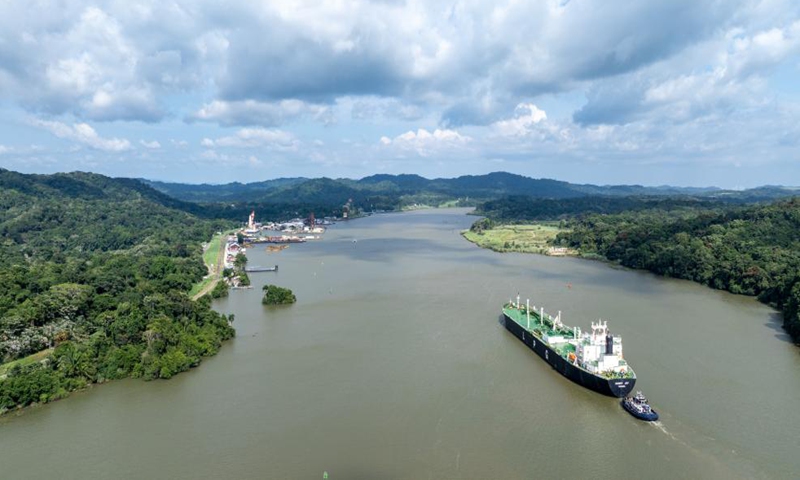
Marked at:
<point>261,269</point>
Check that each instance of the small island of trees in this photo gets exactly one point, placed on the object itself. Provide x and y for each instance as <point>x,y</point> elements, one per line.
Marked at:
<point>275,295</point>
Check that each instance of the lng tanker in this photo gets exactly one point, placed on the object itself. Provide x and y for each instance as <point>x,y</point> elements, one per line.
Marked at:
<point>593,360</point>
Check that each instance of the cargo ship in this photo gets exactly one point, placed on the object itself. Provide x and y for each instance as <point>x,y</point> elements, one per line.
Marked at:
<point>593,360</point>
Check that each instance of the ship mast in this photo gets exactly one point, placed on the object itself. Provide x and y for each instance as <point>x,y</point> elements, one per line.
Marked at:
<point>528,311</point>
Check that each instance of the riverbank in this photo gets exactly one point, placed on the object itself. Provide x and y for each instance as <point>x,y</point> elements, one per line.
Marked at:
<point>532,238</point>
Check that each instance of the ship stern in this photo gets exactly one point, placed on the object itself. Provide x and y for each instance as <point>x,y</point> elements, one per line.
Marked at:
<point>621,387</point>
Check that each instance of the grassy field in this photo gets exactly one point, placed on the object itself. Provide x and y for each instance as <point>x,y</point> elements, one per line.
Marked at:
<point>416,206</point>
<point>536,238</point>
<point>36,357</point>
<point>212,252</point>
<point>211,258</point>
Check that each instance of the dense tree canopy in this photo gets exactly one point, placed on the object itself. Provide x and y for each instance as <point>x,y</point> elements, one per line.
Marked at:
<point>275,295</point>
<point>752,250</point>
<point>97,270</point>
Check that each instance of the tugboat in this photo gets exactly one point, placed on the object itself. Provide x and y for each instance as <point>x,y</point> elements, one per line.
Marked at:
<point>639,408</point>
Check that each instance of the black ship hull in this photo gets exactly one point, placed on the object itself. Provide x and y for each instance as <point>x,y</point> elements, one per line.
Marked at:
<point>615,387</point>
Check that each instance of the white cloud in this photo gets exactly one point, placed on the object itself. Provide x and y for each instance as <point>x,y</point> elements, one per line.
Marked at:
<point>252,112</point>
<point>424,136</point>
<point>526,116</point>
<point>151,145</point>
<point>425,143</point>
<point>111,61</point>
<point>254,138</point>
<point>84,134</point>
<point>374,108</point>
<point>4,149</point>
<point>761,51</point>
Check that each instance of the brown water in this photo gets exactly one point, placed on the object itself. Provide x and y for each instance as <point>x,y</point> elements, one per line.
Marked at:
<point>393,364</point>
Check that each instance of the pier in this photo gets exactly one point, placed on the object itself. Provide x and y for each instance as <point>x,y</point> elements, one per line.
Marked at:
<point>261,269</point>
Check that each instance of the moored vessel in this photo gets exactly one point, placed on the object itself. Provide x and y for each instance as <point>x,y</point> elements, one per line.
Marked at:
<point>593,360</point>
<point>639,408</point>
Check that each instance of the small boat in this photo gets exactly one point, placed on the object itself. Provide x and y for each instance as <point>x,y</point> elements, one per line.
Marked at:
<point>639,408</point>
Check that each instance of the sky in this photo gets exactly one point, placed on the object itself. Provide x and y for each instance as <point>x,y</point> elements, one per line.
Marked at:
<point>678,92</point>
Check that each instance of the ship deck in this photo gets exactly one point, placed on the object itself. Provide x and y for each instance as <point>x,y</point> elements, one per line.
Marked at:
<point>540,328</point>
<point>546,327</point>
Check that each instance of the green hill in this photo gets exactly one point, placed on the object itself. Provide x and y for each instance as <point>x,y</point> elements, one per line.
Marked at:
<point>93,279</point>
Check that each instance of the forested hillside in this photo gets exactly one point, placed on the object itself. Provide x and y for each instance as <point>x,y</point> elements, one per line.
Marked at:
<point>753,250</point>
<point>391,192</point>
<point>524,208</point>
<point>93,275</point>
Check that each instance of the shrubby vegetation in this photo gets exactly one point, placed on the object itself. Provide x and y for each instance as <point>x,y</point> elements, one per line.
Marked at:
<point>97,269</point>
<point>220,290</point>
<point>275,295</point>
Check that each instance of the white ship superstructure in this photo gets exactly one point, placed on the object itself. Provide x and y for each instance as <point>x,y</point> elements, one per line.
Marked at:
<point>599,351</point>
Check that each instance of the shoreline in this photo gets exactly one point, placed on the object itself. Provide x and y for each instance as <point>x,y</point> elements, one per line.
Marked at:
<point>593,256</point>
<point>533,238</point>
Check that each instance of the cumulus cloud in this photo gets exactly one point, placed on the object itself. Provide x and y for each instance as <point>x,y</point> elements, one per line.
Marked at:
<point>84,134</point>
<point>715,77</point>
<point>526,116</point>
<point>105,62</point>
<point>374,108</point>
<point>269,114</point>
<point>254,138</point>
<point>760,52</point>
<point>89,69</point>
<point>424,142</point>
<point>154,145</point>
<point>113,62</point>
<point>422,135</point>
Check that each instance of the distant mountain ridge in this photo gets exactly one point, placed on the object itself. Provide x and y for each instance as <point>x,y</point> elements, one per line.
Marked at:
<point>386,189</point>
<point>222,192</point>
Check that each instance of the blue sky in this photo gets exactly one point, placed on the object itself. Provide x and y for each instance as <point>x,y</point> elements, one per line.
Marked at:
<point>674,92</point>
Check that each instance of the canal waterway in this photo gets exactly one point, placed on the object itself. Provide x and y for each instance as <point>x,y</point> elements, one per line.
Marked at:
<point>393,364</point>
